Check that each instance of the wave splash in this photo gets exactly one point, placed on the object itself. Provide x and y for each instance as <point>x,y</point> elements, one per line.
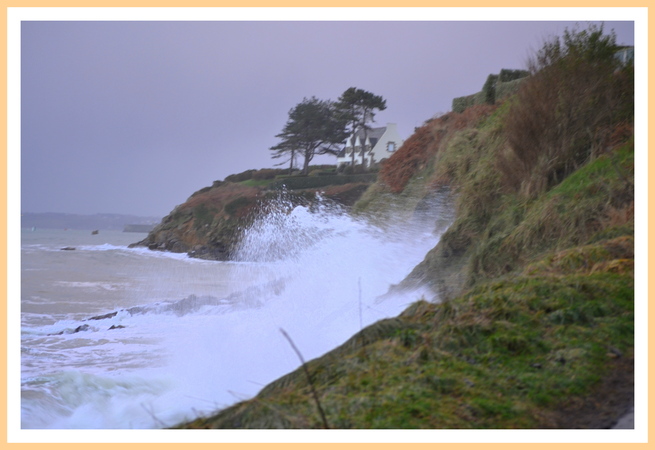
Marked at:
<point>312,270</point>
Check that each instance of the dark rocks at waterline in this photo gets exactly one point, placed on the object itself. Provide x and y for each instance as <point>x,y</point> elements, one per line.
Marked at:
<point>83,327</point>
<point>217,252</point>
<point>104,316</point>
<point>68,248</point>
<point>214,253</point>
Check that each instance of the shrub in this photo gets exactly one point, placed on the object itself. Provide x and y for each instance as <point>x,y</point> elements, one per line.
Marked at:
<point>202,215</point>
<point>243,176</point>
<point>201,191</point>
<point>461,103</point>
<point>505,89</point>
<point>414,154</point>
<point>511,75</point>
<point>237,204</point>
<point>489,89</point>
<point>566,111</point>
<point>316,182</point>
<point>266,174</point>
<point>409,158</point>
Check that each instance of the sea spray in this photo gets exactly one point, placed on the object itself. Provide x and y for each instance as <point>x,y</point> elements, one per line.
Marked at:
<point>329,271</point>
<point>189,343</point>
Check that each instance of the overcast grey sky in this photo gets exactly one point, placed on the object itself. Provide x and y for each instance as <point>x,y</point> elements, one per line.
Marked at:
<point>133,117</point>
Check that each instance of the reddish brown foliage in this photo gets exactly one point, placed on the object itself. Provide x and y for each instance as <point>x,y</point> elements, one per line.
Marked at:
<point>566,112</point>
<point>219,197</point>
<point>403,164</point>
<point>621,134</point>
<point>424,143</point>
<point>470,117</point>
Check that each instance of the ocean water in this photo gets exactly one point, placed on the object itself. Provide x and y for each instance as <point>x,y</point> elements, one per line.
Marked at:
<point>120,338</point>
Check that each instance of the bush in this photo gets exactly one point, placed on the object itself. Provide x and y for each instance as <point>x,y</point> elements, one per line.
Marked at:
<point>414,154</point>
<point>316,182</point>
<point>347,170</point>
<point>495,88</point>
<point>266,174</point>
<point>202,215</point>
<point>237,204</point>
<point>201,191</point>
<point>505,89</point>
<point>243,176</point>
<point>511,75</point>
<point>409,158</point>
<point>566,111</point>
<point>489,89</point>
<point>461,103</point>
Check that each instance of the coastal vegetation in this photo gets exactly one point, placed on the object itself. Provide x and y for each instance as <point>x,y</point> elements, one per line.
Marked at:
<point>532,321</point>
<point>319,127</point>
<point>211,222</point>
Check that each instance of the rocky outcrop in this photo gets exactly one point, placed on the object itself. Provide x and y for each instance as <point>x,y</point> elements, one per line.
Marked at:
<point>210,223</point>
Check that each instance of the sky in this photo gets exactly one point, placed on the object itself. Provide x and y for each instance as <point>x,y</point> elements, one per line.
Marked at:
<point>132,117</point>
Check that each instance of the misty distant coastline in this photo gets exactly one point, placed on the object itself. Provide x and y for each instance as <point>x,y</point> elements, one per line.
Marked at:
<point>56,221</point>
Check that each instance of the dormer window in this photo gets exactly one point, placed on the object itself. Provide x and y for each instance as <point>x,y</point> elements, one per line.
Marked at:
<point>391,146</point>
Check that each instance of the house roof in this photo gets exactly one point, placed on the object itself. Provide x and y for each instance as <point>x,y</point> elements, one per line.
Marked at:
<point>374,134</point>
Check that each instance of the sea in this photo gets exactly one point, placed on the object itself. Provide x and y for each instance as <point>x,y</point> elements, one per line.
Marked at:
<point>113,337</point>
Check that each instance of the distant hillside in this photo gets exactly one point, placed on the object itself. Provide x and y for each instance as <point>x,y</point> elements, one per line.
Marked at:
<point>84,222</point>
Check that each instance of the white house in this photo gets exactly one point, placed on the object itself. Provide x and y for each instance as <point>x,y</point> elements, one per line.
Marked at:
<point>376,145</point>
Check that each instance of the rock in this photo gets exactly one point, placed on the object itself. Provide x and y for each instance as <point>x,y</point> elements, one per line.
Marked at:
<point>68,248</point>
<point>215,252</point>
<point>116,327</point>
<point>83,327</point>
<point>104,316</point>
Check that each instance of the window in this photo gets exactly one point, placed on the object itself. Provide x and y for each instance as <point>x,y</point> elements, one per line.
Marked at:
<point>391,146</point>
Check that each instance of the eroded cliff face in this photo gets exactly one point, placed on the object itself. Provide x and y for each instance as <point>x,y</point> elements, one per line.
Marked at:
<point>210,223</point>
<point>533,326</point>
<point>207,224</point>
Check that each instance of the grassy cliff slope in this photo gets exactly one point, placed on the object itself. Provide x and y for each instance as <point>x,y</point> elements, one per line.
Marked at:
<point>210,223</point>
<point>535,276</point>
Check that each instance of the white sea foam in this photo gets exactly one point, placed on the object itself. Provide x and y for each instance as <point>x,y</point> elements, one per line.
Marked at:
<point>193,342</point>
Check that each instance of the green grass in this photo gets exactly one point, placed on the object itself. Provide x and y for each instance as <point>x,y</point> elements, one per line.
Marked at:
<point>257,183</point>
<point>504,355</point>
<point>539,311</point>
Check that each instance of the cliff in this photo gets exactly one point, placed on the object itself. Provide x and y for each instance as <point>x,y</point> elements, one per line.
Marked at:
<point>532,325</point>
<point>209,224</point>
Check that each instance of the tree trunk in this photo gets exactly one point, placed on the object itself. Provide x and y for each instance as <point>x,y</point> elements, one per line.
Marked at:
<point>308,157</point>
<point>293,154</point>
<point>364,146</point>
